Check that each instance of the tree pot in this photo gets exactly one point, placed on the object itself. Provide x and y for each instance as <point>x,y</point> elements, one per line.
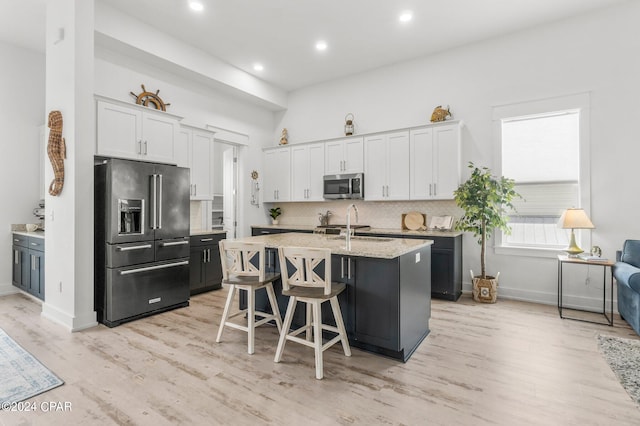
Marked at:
<point>274,221</point>
<point>485,290</point>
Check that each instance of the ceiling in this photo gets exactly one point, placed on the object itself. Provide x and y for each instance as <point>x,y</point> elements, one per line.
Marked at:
<point>281,34</point>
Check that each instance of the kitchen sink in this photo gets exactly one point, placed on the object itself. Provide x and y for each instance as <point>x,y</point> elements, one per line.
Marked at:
<point>361,238</point>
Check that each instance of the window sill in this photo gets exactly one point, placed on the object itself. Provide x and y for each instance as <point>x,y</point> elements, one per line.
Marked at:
<point>549,253</point>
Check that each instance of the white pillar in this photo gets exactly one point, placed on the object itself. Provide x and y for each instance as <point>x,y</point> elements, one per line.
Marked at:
<point>69,216</point>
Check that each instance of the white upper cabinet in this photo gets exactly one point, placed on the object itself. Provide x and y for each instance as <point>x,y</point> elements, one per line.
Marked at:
<point>435,161</point>
<point>344,156</point>
<point>386,168</point>
<point>277,175</point>
<point>132,132</point>
<point>307,171</point>
<point>202,165</point>
<point>195,150</point>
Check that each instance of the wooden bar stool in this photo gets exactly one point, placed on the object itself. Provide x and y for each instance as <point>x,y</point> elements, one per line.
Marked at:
<point>304,284</point>
<point>240,273</point>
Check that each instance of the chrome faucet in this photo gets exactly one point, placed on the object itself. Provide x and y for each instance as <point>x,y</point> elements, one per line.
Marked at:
<point>348,235</point>
<point>324,218</point>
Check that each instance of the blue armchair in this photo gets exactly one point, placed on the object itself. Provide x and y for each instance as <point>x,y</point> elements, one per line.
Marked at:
<point>627,274</point>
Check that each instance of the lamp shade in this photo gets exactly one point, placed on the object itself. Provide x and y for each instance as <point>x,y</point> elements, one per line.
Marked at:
<point>575,219</point>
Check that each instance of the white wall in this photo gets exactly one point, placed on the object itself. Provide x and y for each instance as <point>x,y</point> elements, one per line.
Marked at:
<point>595,53</point>
<point>22,78</point>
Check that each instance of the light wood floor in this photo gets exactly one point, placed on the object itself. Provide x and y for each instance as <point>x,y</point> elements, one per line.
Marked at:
<point>510,363</point>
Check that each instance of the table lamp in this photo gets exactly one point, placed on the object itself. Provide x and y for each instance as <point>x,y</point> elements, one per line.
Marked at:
<point>574,219</point>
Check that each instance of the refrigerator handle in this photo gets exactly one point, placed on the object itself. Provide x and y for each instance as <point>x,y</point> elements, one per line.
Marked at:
<point>153,268</point>
<point>154,202</point>
<point>160,203</point>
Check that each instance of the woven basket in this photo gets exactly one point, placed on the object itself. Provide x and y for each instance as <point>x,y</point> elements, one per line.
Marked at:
<point>485,290</point>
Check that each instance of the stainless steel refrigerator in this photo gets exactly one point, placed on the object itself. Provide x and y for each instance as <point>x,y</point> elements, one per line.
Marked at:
<point>141,239</point>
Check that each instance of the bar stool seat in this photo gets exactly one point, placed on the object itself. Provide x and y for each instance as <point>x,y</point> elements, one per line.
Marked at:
<point>302,283</point>
<point>240,272</point>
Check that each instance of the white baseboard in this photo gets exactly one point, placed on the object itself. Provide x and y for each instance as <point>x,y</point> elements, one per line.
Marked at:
<point>551,298</point>
<point>70,322</point>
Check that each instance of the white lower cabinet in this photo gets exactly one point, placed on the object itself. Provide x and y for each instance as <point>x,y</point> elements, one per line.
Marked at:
<point>386,167</point>
<point>277,175</point>
<point>307,171</point>
<point>195,150</point>
<point>135,132</point>
<point>435,161</point>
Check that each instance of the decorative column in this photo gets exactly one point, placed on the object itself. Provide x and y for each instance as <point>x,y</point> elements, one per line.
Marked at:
<point>69,215</point>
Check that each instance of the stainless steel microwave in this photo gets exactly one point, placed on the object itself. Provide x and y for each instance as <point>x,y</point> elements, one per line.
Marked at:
<point>344,186</point>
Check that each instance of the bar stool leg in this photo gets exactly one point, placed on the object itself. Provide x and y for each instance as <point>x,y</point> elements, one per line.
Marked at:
<point>337,314</point>
<point>309,321</point>
<point>274,306</point>
<point>251,319</point>
<point>317,328</point>
<point>285,328</point>
<point>225,313</point>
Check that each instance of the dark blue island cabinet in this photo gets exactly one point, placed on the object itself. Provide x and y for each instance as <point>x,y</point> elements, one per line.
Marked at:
<point>387,303</point>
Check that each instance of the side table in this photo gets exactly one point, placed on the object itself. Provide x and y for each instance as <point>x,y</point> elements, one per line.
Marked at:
<point>563,259</point>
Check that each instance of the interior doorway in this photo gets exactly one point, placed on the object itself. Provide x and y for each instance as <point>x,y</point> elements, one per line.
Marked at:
<point>224,212</point>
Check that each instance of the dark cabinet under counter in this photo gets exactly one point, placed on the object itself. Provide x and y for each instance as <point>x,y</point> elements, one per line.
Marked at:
<point>28,264</point>
<point>205,265</point>
<point>446,263</point>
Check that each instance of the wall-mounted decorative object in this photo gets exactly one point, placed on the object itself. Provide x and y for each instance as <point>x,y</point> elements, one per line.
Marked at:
<point>284,139</point>
<point>255,187</point>
<point>149,98</point>
<point>348,125</point>
<point>57,152</point>
<point>440,114</point>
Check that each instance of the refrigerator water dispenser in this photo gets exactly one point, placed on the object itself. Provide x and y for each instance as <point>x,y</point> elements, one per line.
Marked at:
<point>131,216</point>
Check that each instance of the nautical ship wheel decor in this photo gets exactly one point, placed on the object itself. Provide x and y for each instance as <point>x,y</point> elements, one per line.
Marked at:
<point>149,98</point>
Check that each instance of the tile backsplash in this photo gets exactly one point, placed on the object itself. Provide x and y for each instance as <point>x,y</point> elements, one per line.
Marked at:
<point>384,214</point>
<point>196,215</point>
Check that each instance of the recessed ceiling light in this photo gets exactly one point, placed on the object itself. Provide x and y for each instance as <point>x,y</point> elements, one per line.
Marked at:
<point>321,45</point>
<point>258,67</point>
<point>196,5</point>
<point>405,16</point>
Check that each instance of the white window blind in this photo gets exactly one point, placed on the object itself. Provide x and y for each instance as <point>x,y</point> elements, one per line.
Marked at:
<point>541,153</point>
<point>546,199</point>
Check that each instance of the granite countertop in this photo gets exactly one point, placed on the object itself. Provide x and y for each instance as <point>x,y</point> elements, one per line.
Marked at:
<point>195,232</point>
<point>385,231</point>
<point>293,227</point>
<point>396,231</point>
<point>36,234</point>
<point>385,248</point>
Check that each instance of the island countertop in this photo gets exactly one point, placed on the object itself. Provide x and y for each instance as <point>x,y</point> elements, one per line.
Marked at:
<point>384,248</point>
<point>385,231</point>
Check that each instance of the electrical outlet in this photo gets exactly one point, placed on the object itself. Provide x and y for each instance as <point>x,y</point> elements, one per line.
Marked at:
<point>417,257</point>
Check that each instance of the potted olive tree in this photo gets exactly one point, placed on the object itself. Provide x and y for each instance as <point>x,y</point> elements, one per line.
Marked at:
<point>274,213</point>
<point>485,199</point>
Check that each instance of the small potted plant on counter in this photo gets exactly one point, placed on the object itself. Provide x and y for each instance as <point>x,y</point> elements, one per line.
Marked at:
<point>485,199</point>
<point>274,213</point>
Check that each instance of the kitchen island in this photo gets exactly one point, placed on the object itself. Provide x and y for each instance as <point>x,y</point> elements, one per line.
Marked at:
<point>446,252</point>
<point>387,302</point>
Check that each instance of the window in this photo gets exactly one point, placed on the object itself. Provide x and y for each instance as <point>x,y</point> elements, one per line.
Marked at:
<point>543,147</point>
